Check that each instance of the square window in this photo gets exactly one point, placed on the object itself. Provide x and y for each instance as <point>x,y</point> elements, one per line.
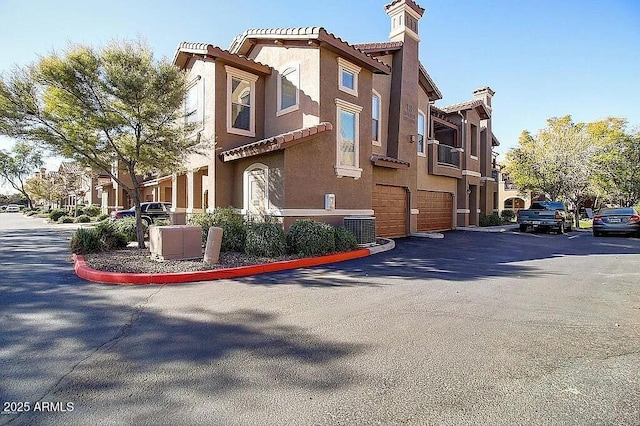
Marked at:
<point>348,77</point>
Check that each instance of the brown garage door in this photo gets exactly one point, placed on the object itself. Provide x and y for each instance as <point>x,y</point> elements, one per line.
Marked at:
<point>390,209</point>
<point>436,211</point>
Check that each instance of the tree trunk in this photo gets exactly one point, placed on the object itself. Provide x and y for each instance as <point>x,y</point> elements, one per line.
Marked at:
<point>576,215</point>
<point>136,202</point>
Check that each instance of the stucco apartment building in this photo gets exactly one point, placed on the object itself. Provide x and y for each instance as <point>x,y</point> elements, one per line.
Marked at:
<point>305,125</point>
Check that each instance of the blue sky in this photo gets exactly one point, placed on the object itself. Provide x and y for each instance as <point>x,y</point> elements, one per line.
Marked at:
<point>543,58</point>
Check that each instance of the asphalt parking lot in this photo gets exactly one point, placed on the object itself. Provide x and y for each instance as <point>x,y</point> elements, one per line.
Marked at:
<point>475,328</point>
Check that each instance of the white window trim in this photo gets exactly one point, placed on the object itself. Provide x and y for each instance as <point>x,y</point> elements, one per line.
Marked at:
<point>353,69</point>
<point>342,170</point>
<point>245,186</point>
<point>422,153</point>
<point>251,78</point>
<point>295,107</point>
<point>376,94</point>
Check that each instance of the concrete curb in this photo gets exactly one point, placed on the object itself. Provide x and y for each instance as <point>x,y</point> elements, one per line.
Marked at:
<point>83,271</point>
<point>502,228</point>
<point>432,235</point>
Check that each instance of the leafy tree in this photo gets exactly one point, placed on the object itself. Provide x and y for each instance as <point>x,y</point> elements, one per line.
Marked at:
<point>18,164</point>
<point>44,189</point>
<point>556,162</point>
<point>115,109</point>
<point>616,165</point>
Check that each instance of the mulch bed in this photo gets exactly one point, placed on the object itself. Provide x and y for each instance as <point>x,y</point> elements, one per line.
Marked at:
<point>134,260</point>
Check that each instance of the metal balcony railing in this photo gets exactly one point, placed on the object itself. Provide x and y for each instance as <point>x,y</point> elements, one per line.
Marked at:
<point>448,155</point>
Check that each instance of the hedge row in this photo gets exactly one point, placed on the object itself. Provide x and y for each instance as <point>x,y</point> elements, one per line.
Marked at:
<point>305,238</point>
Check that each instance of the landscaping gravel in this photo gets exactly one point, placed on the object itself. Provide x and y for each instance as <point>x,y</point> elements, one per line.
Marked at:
<point>134,260</point>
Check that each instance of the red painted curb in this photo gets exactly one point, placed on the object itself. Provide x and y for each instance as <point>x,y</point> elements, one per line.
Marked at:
<point>85,272</point>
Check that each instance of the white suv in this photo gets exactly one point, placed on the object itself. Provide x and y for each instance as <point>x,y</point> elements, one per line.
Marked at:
<point>13,208</point>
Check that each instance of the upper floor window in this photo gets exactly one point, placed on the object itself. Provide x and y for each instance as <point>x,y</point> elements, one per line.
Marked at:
<point>474,140</point>
<point>191,102</point>
<point>348,77</point>
<point>348,139</point>
<point>375,123</point>
<point>241,98</point>
<point>288,90</point>
<point>421,132</point>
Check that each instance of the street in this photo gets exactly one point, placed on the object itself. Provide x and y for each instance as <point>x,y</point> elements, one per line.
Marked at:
<point>473,329</point>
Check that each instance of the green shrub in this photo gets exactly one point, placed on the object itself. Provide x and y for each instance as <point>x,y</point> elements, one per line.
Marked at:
<point>127,227</point>
<point>310,238</point>
<point>345,239</point>
<point>110,236</point>
<point>234,229</point>
<point>85,240</point>
<point>92,210</point>
<point>507,215</point>
<point>79,211</point>
<point>32,213</point>
<point>265,239</point>
<point>56,214</point>
<point>65,219</point>
<point>102,217</point>
<point>82,219</point>
<point>161,222</point>
<point>490,220</point>
<point>102,237</point>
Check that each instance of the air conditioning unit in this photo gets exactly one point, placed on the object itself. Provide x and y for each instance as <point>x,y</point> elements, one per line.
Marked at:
<point>363,227</point>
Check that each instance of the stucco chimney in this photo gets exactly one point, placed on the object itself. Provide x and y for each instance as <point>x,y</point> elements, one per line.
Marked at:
<point>404,16</point>
<point>484,93</point>
<point>403,105</point>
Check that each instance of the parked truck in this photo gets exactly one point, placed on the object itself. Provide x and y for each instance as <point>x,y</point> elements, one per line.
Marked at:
<point>546,216</point>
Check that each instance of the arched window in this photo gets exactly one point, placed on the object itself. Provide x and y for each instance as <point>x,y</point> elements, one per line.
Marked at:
<point>288,89</point>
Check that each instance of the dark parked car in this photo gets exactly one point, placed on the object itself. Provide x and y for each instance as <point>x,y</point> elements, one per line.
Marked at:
<point>150,212</point>
<point>545,215</point>
<point>621,220</point>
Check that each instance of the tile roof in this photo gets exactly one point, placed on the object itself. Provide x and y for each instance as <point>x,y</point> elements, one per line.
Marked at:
<point>437,94</point>
<point>484,89</point>
<point>379,46</point>
<point>238,45</point>
<point>186,49</point>
<point>384,161</point>
<point>71,167</point>
<point>275,143</point>
<point>410,3</point>
<point>437,110</point>
<point>472,104</point>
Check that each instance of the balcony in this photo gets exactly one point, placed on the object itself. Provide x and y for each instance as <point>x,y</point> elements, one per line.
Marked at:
<point>444,160</point>
<point>448,156</point>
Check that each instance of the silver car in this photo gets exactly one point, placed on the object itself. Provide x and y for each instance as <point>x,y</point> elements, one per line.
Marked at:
<point>620,220</point>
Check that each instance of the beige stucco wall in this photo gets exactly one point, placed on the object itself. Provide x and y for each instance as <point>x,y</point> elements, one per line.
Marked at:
<point>279,58</point>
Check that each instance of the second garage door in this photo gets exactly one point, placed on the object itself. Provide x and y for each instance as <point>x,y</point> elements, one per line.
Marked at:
<point>390,210</point>
<point>436,211</point>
